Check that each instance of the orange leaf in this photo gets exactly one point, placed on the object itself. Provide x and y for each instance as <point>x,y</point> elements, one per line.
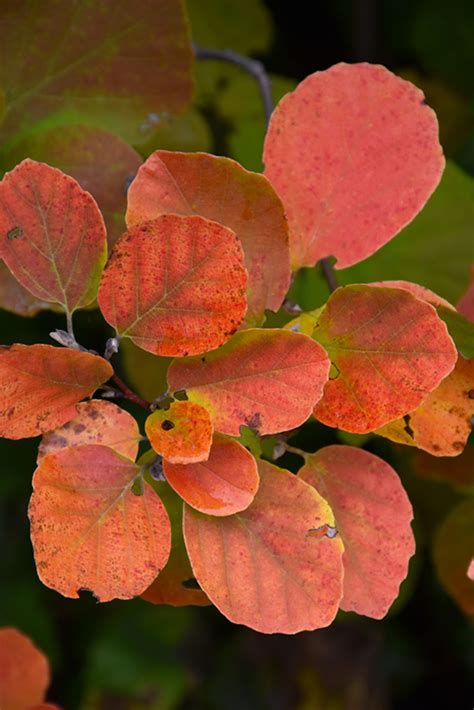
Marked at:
<point>41,384</point>
<point>388,349</point>
<point>24,671</point>
<point>373,515</point>
<point>354,154</point>
<point>52,235</point>
<point>442,423</point>
<point>259,567</point>
<point>224,484</point>
<point>266,379</point>
<point>182,433</point>
<point>96,422</point>
<point>175,585</point>
<point>90,531</point>
<point>453,551</point>
<point>175,285</point>
<point>222,190</point>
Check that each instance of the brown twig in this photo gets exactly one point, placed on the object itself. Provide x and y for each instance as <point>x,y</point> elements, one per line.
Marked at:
<point>130,394</point>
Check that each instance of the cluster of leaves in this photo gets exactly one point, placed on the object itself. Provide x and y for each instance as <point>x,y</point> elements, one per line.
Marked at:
<point>351,156</point>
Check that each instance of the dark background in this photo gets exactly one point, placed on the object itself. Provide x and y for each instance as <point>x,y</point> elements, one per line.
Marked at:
<point>133,655</point>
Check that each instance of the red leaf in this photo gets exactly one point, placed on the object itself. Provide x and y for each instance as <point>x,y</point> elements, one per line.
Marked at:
<point>90,531</point>
<point>224,484</point>
<point>24,671</point>
<point>175,585</point>
<point>175,285</point>
<point>16,299</point>
<point>441,425</point>
<point>373,515</point>
<point>266,379</point>
<point>453,551</point>
<point>53,236</point>
<point>388,349</point>
<point>354,154</point>
<point>259,567</point>
<point>96,422</point>
<point>222,190</point>
<point>181,434</point>
<point>40,386</point>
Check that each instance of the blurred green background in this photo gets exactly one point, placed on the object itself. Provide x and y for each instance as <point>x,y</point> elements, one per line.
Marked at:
<point>133,655</point>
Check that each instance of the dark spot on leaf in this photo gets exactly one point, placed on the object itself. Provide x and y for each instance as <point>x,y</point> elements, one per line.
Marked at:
<point>191,583</point>
<point>407,426</point>
<point>79,428</point>
<point>93,413</point>
<point>255,421</point>
<point>334,371</point>
<point>180,395</point>
<point>167,425</point>
<point>470,394</point>
<point>203,359</point>
<point>14,233</point>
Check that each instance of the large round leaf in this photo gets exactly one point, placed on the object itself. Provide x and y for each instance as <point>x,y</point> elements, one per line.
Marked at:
<point>388,350</point>
<point>222,190</point>
<point>354,154</point>
<point>260,567</point>
<point>90,530</point>
<point>175,285</point>
<point>268,380</point>
<point>373,515</point>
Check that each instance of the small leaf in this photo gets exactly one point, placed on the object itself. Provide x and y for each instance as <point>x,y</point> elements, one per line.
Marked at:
<point>52,235</point>
<point>175,285</point>
<point>453,551</point>
<point>354,154</point>
<point>100,162</point>
<point>268,380</point>
<point>40,386</point>
<point>175,585</point>
<point>259,567</point>
<point>221,190</point>
<point>90,531</point>
<point>181,434</point>
<point>24,671</point>
<point>373,516</point>
<point>224,484</point>
<point>442,423</point>
<point>96,422</point>
<point>388,350</point>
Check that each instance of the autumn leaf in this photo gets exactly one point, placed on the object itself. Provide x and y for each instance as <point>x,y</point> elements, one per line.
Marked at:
<point>112,69</point>
<point>372,515</point>
<point>268,380</point>
<point>41,385</point>
<point>388,350</point>
<point>175,285</point>
<point>457,472</point>
<point>24,671</point>
<point>16,299</point>
<point>52,235</point>
<point>354,155</point>
<point>223,484</point>
<point>441,425</point>
<point>96,422</point>
<point>101,162</point>
<point>260,567</point>
<point>90,530</point>
<point>175,585</point>
<point>453,550</point>
<point>221,190</point>
<point>181,434</point>
<point>424,294</point>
